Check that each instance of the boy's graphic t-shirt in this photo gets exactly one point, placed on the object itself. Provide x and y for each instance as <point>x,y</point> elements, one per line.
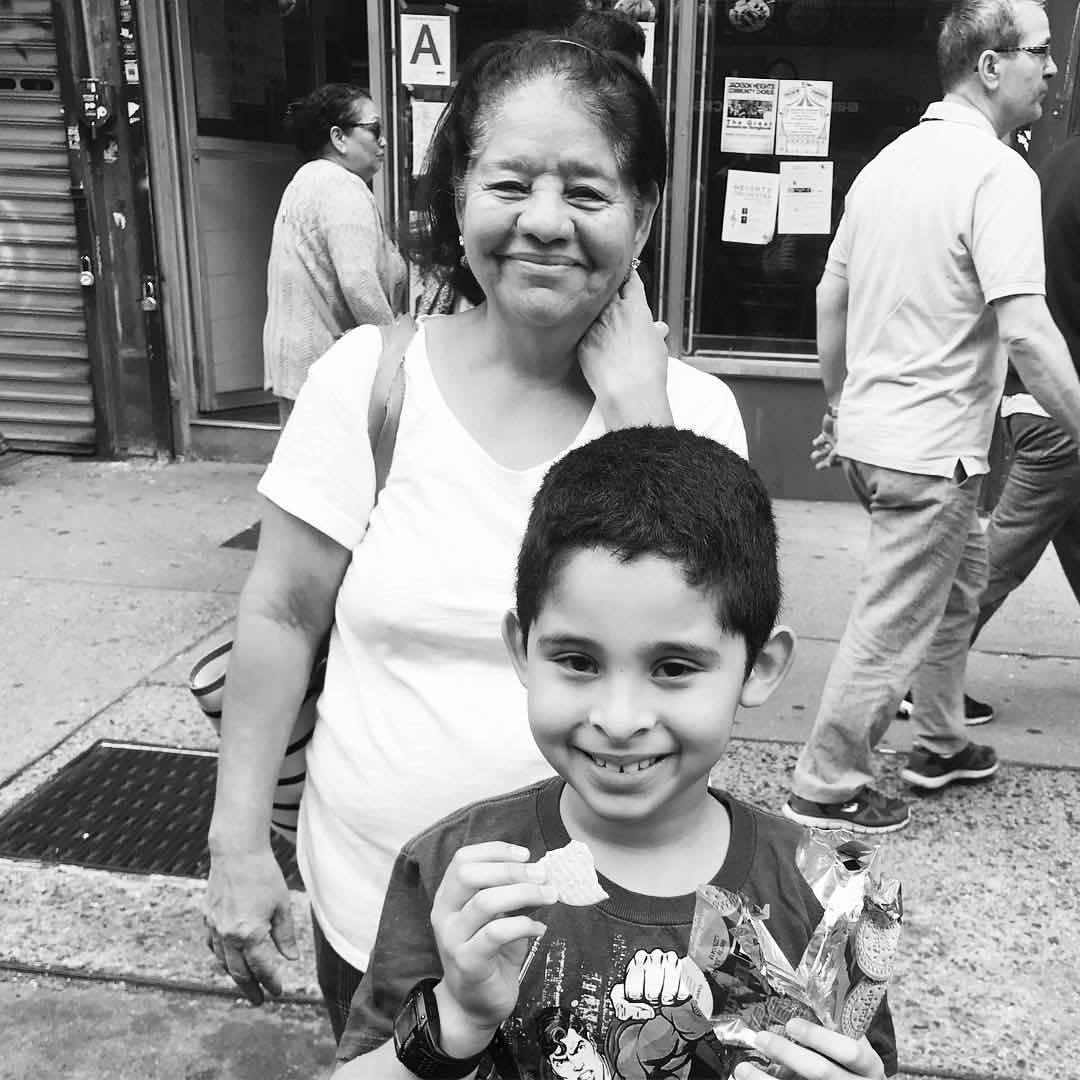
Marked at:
<point>601,996</point>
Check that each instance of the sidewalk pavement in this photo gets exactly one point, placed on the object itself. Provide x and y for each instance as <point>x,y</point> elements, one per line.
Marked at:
<point>113,579</point>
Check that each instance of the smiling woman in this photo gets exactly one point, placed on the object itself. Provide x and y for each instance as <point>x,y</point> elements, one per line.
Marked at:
<point>542,181</point>
<point>549,227</point>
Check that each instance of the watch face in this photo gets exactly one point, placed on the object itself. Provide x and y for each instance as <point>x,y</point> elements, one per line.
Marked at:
<point>404,1024</point>
<point>411,1019</point>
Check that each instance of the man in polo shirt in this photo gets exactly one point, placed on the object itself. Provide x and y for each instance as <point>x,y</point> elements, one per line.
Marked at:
<point>934,276</point>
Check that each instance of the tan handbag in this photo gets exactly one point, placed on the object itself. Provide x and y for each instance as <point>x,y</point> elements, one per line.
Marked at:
<point>207,678</point>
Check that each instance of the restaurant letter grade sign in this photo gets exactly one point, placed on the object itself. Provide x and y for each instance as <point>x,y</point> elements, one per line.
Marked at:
<point>427,48</point>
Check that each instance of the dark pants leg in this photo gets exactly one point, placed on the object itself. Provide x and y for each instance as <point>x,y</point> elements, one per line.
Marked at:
<point>338,980</point>
<point>1039,504</point>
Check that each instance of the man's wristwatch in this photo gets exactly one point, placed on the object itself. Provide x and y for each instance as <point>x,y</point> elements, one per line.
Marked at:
<point>416,1037</point>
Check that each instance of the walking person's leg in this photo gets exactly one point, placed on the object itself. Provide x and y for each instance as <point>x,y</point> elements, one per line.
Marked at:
<point>1067,545</point>
<point>942,751</point>
<point>1041,495</point>
<point>1041,490</point>
<point>918,531</point>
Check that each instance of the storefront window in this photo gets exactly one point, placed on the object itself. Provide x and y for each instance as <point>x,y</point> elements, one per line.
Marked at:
<point>251,58</point>
<point>813,90</point>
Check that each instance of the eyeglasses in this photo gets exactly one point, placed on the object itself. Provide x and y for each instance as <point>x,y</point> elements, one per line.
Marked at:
<point>1041,51</point>
<point>374,126</point>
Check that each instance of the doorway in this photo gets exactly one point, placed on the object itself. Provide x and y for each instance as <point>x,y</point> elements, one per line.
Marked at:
<point>239,63</point>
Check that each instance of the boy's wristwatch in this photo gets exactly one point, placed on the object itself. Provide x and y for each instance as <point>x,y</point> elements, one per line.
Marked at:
<point>416,1037</point>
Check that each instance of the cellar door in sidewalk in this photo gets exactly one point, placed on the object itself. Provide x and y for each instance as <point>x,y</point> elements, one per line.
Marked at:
<point>46,397</point>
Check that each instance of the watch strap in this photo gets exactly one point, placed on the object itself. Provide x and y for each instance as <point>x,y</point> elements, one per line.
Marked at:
<point>416,1037</point>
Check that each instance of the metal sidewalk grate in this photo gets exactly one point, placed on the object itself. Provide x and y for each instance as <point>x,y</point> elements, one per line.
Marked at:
<point>125,806</point>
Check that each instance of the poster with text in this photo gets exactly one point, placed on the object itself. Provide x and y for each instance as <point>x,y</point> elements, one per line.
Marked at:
<point>750,207</point>
<point>804,116</point>
<point>748,123</point>
<point>806,197</point>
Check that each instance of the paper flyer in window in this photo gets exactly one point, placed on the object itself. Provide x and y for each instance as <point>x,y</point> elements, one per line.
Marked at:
<point>804,117</point>
<point>750,207</point>
<point>748,124</point>
<point>806,197</point>
<point>425,115</point>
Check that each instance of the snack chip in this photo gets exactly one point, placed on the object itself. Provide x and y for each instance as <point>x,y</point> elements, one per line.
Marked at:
<point>572,871</point>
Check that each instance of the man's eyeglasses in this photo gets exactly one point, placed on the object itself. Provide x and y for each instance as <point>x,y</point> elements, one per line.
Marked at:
<point>1041,51</point>
<point>374,126</point>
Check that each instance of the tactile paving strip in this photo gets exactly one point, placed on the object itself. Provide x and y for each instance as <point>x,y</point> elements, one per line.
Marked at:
<point>125,806</point>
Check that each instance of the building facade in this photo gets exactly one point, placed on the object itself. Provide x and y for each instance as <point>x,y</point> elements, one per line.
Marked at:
<point>773,106</point>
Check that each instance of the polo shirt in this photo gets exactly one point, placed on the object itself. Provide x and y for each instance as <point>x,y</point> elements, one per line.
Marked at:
<point>945,220</point>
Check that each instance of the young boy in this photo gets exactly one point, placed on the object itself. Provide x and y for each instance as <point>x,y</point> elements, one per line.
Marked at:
<point>647,593</point>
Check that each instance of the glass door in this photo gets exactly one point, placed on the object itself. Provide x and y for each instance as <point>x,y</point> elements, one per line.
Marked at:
<point>244,61</point>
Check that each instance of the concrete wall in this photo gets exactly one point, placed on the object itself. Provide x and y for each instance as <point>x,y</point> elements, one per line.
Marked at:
<point>781,418</point>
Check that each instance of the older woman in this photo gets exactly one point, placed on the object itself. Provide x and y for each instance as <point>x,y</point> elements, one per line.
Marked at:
<point>332,266</point>
<point>544,176</point>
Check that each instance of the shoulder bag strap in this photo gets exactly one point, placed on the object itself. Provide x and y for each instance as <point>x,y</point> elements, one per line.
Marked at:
<point>388,395</point>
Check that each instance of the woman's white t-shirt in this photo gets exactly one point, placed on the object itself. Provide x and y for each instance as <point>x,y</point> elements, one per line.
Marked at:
<point>421,712</point>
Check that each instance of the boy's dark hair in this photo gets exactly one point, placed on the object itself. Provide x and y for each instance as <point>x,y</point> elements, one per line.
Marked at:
<point>666,492</point>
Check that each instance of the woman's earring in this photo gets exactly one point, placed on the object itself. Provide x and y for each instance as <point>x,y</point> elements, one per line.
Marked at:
<point>634,264</point>
<point>464,257</point>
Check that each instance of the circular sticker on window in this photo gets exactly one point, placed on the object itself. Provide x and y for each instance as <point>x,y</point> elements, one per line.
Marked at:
<point>750,15</point>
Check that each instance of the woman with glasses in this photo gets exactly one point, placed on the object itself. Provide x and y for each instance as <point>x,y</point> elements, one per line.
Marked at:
<point>332,266</point>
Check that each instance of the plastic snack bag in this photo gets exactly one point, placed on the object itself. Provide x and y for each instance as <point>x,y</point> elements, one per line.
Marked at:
<point>743,983</point>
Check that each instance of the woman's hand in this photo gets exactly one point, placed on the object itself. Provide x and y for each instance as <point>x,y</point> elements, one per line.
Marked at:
<point>624,359</point>
<point>285,608</point>
<point>249,921</point>
<point>483,937</point>
<point>812,1052</point>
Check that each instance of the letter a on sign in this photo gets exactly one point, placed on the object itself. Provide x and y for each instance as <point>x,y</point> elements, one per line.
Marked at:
<point>426,50</point>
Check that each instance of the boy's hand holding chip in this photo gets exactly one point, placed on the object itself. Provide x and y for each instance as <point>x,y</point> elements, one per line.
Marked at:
<point>483,932</point>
